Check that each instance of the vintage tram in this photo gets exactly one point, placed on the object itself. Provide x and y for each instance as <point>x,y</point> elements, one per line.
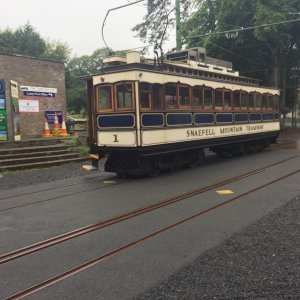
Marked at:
<point>147,115</point>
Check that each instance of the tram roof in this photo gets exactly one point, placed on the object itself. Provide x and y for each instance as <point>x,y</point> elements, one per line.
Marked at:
<point>192,69</point>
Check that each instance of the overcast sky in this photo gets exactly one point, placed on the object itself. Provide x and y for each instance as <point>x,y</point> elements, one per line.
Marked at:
<point>77,22</point>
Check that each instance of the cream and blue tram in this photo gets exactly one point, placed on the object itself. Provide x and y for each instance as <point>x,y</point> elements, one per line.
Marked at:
<point>145,116</point>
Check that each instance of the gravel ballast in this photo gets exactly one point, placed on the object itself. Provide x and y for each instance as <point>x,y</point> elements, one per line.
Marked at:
<point>260,262</point>
<point>30,177</point>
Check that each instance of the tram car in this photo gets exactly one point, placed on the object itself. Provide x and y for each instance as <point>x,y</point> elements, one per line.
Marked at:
<point>146,115</point>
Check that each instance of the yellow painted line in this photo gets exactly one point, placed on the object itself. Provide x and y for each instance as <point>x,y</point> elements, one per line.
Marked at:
<point>109,181</point>
<point>225,192</point>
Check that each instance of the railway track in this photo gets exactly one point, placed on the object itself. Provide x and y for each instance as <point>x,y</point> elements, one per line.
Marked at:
<point>116,251</point>
<point>288,145</point>
<point>131,214</point>
<point>91,189</point>
<point>122,217</point>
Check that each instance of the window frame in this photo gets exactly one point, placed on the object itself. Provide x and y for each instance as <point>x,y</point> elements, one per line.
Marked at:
<point>176,104</point>
<point>112,97</point>
<point>189,96</point>
<point>150,99</point>
<point>231,95</point>
<point>212,97</point>
<point>217,90</point>
<point>233,99</point>
<point>247,99</point>
<point>198,87</point>
<point>132,96</point>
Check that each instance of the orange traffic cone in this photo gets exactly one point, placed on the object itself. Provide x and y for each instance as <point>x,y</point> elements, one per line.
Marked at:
<point>64,131</point>
<point>56,124</point>
<point>46,132</point>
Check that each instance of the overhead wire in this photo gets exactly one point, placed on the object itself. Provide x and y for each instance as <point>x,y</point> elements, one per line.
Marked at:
<point>243,28</point>
<point>107,13</point>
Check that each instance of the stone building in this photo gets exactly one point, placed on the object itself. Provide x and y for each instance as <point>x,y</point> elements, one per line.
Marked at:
<point>30,90</point>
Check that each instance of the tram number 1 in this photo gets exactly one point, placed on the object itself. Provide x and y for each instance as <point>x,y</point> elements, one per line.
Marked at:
<point>115,138</point>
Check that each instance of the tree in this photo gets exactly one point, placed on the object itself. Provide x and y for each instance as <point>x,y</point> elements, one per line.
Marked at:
<point>81,66</point>
<point>29,42</point>
<point>159,18</point>
<point>24,40</point>
<point>56,50</point>
<point>7,41</point>
<point>266,51</point>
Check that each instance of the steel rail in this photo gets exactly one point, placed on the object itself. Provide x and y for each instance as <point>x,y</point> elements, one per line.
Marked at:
<point>131,214</point>
<point>58,187</point>
<point>107,178</point>
<point>99,259</point>
<point>96,188</point>
<point>59,197</point>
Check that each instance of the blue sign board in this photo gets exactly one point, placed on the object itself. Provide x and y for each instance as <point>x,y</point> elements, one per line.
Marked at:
<point>50,114</point>
<point>39,94</point>
<point>2,88</point>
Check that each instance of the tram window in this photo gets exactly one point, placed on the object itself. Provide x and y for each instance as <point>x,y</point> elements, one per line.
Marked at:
<point>244,100</point>
<point>227,99</point>
<point>264,101</point>
<point>170,96</point>
<point>270,102</point>
<point>197,97</point>
<point>208,97</point>
<point>145,95</point>
<point>219,98</point>
<point>276,102</point>
<point>236,99</point>
<point>156,96</point>
<point>258,101</point>
<point>251,100</point>
<point>124,95</point>
<point>184,96</point>
<point>104,97</point>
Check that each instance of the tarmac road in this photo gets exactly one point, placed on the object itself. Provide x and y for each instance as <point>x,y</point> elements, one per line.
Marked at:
<point>248,249</point>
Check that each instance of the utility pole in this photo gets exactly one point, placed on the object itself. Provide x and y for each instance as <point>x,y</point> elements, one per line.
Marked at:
<point>178,32</point>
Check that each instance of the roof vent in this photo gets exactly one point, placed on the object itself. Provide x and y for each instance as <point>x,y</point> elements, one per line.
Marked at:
<point>133,57</point>
<point>195,54</point>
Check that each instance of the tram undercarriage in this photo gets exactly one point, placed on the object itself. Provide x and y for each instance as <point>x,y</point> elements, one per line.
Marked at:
<point>150,163</point>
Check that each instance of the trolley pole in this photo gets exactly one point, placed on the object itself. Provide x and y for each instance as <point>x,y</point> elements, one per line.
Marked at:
<point>178,32</point>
